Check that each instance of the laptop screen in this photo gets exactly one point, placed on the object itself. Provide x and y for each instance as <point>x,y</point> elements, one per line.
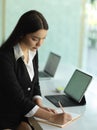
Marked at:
<point>52,63</point>
<point>77,85</point>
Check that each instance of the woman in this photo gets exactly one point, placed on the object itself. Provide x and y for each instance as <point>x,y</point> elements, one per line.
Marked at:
<point>20,96</point>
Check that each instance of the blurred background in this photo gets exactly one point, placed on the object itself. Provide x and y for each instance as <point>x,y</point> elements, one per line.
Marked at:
<point>72,29</point>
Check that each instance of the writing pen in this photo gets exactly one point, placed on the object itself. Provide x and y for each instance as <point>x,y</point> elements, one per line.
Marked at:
<point>61,107</point>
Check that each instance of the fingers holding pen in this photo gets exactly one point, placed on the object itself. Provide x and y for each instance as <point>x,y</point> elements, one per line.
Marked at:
<point>60,118</point>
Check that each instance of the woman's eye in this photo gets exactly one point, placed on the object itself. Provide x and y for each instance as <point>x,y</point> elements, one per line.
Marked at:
<point>34,39</point>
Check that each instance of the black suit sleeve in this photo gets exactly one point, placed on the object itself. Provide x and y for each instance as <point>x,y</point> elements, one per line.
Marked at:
<point>11,87</point>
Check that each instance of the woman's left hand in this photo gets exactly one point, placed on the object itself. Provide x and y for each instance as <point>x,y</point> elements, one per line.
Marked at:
<point>50,110</point>
<point>38,101</point>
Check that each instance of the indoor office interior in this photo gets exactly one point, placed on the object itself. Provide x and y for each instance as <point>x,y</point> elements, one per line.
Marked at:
<point>72,29</point>
<point>72,33</point>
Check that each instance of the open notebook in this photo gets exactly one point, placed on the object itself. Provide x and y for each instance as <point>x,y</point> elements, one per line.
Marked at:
<point>74,117</point>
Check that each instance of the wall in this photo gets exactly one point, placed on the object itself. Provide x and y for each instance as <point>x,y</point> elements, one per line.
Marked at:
<point>64,22</point>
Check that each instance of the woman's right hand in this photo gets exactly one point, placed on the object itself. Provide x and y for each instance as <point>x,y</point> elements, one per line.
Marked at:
<point>60,118</point>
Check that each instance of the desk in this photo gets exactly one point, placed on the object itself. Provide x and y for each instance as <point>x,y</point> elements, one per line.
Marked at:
<point>88,120</point>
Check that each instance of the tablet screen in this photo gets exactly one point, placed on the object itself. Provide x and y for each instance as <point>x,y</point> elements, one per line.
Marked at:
<point>77,85</point>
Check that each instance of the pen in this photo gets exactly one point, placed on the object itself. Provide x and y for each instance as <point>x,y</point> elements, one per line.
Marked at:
<point>61,107</point>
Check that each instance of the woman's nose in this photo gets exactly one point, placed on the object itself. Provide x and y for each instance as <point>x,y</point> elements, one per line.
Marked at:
<point>39,43</point>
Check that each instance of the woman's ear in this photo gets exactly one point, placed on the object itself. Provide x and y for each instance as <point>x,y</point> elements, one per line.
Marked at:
<point>21,38</point>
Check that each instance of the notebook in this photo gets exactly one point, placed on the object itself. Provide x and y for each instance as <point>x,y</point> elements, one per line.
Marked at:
<point>74,91</point>
<point>74,117</point>
<point>51,66</point>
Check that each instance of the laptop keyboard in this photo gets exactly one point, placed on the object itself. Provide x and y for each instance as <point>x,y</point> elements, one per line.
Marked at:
<point>65,101</point>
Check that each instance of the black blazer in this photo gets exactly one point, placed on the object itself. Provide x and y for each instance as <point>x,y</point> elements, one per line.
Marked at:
<point>16,88</point>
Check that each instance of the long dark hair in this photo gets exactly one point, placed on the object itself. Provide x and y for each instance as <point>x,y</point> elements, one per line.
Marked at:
<point>29,22</point>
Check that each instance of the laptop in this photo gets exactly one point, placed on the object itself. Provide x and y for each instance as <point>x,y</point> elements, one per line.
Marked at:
<point>51,66</point>
<point>74,92</point>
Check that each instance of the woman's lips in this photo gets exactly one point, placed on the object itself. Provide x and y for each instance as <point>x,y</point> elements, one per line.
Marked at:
<point>35,48</point>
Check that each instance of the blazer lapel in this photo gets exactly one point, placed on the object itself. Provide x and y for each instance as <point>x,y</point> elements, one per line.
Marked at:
<point>23,73</point>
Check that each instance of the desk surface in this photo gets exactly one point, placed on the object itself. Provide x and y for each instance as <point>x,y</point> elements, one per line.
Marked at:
<point>88,120</point>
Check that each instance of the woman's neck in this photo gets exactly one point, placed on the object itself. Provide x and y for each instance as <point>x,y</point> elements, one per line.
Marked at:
<point>25,52</point>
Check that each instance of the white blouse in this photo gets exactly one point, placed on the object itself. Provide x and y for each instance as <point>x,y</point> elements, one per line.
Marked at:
<point>19,53</point>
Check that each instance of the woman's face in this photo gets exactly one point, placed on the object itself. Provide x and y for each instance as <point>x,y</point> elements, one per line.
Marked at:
<point>34,40</point>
